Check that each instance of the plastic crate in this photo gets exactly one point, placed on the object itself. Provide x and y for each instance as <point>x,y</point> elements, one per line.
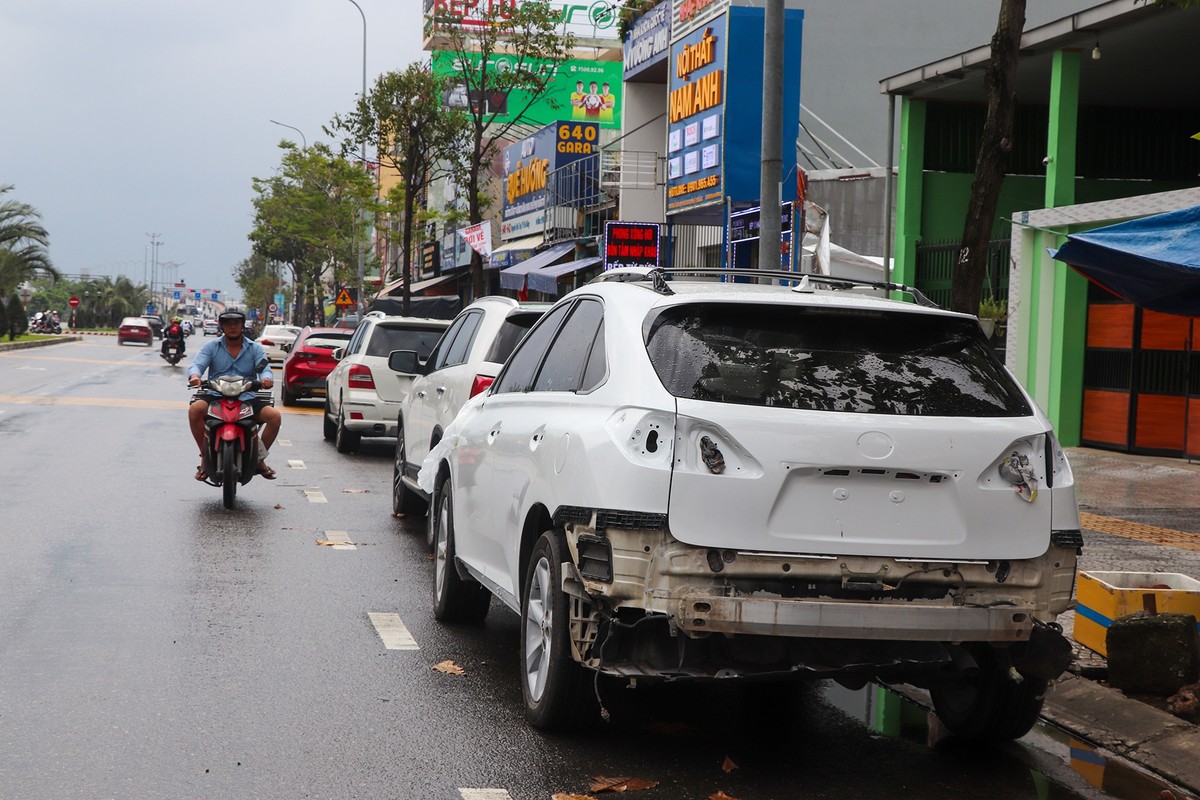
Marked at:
<point>1101,597</point>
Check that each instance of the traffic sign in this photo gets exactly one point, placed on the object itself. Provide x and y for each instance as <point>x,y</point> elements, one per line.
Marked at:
<point>272,308</point>
<point>74,301</point>
<point>343,298</point>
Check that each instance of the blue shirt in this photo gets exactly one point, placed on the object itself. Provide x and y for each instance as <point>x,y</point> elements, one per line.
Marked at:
<point>216,358</point>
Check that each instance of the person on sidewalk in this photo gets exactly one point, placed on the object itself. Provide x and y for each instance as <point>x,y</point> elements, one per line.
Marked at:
<point>232,353</point>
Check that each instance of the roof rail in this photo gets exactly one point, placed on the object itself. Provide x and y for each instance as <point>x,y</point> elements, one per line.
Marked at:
<point>659,275</point>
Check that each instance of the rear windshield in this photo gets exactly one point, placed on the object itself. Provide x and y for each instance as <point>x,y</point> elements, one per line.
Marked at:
<point>515,326</point>
<point>386,338</point>
<point>870,362</point>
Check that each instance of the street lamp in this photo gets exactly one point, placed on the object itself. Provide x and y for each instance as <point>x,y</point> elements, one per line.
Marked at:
<point>154,243</point>
<point>293,127</point>
<point>364,144</point>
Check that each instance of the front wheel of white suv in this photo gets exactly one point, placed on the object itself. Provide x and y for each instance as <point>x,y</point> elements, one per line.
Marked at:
<point>991,705</point>
<point>558,692</point>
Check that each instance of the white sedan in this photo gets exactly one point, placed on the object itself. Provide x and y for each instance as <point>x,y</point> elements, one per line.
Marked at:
<point>276,339</point>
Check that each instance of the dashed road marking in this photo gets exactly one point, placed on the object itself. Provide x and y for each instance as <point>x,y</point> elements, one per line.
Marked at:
<point>112,402</point>
<point>342,538</point>
<point>1139,531</point>
<point>392,631</point>
<point>283,443</point>
<point>296,464</point>
<point>484,794</point>
<point>315,496</point>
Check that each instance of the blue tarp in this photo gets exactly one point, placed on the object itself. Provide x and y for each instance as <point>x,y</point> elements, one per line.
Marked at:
<point>1153,261</point>
<point>514,277</point>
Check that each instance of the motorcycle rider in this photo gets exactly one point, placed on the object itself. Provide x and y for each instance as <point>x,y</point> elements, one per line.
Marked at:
<point>174,335</point>
<point>232,353</point>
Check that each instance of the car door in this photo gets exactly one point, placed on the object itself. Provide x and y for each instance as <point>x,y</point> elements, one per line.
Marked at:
<point>477,459</point>
<point>425,402</point>
<point>337,383</point>
<point>539,428</point>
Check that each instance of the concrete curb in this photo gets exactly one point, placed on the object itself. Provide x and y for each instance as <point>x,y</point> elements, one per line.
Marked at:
<point>40,343</point>
<point>1154,739</point>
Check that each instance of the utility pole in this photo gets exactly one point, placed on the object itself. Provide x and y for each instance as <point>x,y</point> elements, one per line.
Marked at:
<point>771,174</point>
<point>154,243</point>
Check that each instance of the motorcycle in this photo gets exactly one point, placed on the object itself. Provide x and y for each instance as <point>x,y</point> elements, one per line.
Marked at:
<point>231,433</point>
<point>174,353</point>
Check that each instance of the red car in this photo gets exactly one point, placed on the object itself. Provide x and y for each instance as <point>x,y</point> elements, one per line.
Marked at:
<point>135,329</point>
<point>309,361</point>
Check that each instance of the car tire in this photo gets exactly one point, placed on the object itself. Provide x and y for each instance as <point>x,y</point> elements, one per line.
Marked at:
<point>455,599</point>
<point>344,440</point>
<point>989,706</point>
<point>287,397</point>
<point>329,427</point>
<point>404,500</point>
<point>557,690</point>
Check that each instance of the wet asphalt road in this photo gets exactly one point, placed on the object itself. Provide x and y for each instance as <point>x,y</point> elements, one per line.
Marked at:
<point>154,645</point>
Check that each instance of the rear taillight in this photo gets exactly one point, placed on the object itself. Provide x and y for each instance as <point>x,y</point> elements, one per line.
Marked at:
<point>480,383</point>
<point>360,377</point>
<point>266,342</point>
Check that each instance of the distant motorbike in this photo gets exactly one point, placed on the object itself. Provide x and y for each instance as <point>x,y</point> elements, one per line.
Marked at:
<point>174,353</point>
<point>44,323</point>
<point>231,434</point>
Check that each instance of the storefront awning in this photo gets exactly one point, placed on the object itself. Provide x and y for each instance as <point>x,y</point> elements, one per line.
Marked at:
<point>510,253</point>
<point>429,283</point>
<point>1153,261</point>
<point>514,277</point>
<point>546,279</point>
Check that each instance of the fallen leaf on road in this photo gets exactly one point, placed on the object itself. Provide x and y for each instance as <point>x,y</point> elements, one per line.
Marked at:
<point>562,796</point>
<point>603,784</point>
<point>721,796</point>
<point>279,505</point>
<point>356,491</point>
<point>328,543</point>
<point>729,766</point>
<point>397,515</point>
<point>449,667</point>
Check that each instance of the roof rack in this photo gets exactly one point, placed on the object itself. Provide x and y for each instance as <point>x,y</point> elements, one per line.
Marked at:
<point>657,276</point>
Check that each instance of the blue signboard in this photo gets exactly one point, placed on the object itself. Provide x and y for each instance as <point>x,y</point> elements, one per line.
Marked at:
<point>197,295</point>
<point>527,165</point>
<point>649,40</point>
<point>714,129</point>
<point>214,295</point>
<point>176,294</point>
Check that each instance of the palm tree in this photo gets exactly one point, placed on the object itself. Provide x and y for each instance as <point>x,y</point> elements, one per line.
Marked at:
<point>120,299</point>
<point>23,243</point>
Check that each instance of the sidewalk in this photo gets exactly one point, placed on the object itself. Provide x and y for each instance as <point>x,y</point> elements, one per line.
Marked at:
<point>1138,514</point>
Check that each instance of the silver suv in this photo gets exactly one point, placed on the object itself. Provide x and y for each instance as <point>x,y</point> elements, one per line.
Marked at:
<point>363,395</point>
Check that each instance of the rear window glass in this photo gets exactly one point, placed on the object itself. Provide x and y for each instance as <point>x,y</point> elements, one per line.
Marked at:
<point>870,362</point>
<point>515,326</point>
<point>325,342</point>
<point>386,338</point>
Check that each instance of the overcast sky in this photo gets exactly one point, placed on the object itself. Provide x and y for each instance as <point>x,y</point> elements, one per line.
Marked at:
<point>130,117</point>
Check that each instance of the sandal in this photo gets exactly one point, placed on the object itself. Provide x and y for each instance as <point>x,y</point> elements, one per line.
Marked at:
<point>266,471</point>
<point>201,475</point>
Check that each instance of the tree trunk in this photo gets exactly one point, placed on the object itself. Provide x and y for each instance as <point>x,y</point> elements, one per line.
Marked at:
<point>475,216</point>
<point>994,149</point>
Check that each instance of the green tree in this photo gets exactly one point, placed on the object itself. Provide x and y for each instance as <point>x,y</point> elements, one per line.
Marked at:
<point>307,217</point>
<point>23,243</point>
<point>529,38</point>
<point>995,146</point>
<point>258,278</point>
<point>402,118</point>
<point>117,299</point>
<point>15,322</point>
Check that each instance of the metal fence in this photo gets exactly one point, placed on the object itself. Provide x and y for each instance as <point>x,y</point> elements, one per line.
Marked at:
<point>935,270</point>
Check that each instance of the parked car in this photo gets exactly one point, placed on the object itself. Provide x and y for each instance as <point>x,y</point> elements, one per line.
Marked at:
<point>364,394</point>
<point>211,328</point>
<point>309,361</point>
<point>349,322</point>
<point>135,329</point>
<point>276,339</point>
<point>464,363</point>
<point>676,479</point>
<point>156,324</point>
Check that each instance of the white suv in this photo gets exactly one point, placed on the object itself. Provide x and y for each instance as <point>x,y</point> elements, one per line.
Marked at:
<point>464,363</point>
<point>362,394</point>
<point>694,479</point>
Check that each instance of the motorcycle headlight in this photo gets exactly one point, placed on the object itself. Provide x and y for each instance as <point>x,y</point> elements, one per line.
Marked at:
<point>229,385</point>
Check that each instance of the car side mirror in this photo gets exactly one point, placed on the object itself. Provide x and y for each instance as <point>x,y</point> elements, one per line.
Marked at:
<point>405,362</point>
<point>338,353</point>
<point>286,347</point>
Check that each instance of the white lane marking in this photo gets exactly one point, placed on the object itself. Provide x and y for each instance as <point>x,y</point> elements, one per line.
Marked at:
<point>315,496</point>
<point>392,631</point>
<point>484,794</point>
<point>342,538</point>
<point>283,442</point>
<point>296,464</point>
